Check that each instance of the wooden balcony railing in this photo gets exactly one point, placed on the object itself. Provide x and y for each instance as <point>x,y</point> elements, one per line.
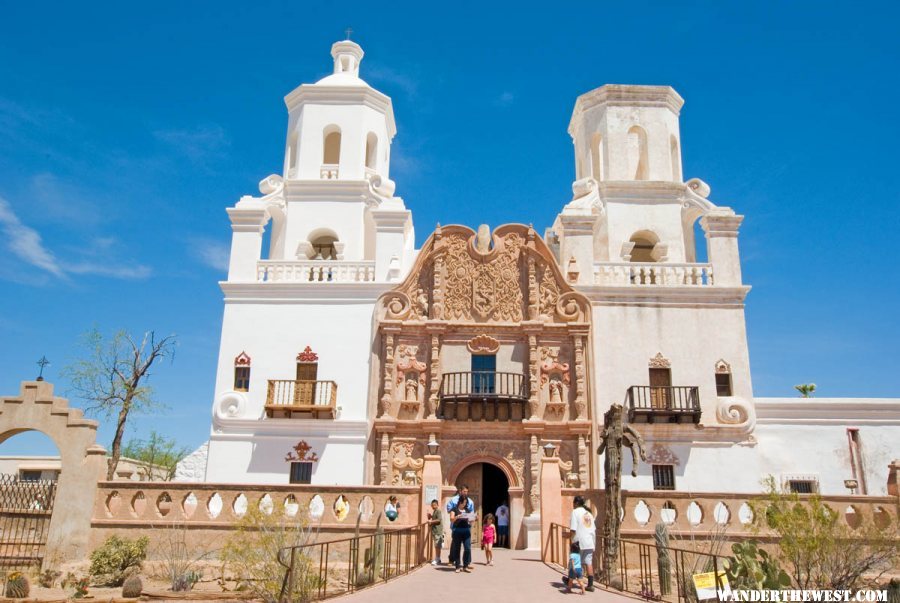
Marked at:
<point>286,398</point>
<point>658,404</point>
<point>483,396</point>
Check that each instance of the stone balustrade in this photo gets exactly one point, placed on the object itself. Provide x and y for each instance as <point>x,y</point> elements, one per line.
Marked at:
<point>696,514</point>
<point>314,271</point>
<point>328,171</point>
<point>651,273</point>
<point>208,505</point>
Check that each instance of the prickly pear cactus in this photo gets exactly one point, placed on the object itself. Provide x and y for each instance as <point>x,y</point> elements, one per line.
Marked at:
<point>753,568</point>
<point>17,586</point>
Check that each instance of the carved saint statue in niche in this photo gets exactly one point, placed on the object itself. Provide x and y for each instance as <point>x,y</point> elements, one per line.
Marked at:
<point>412,387</point>
<point>420,307</point>
<point>556,389</point>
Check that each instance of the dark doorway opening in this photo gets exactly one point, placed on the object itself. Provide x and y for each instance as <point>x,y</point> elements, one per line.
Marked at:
<point>495,490</point>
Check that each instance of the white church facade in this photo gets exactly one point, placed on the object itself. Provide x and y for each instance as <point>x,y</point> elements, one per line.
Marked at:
<point>494,342</point>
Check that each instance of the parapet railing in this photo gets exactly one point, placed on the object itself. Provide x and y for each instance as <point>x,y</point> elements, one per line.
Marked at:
<point>323,570</point>
<point>314,271</point>
<point>652,273</point>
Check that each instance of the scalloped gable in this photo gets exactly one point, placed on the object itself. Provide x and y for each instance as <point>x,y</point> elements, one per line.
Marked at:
<point>459,277</point>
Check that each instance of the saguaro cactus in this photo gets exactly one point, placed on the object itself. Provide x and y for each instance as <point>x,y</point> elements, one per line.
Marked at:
<point>615,434</point>
<point>663,560</point>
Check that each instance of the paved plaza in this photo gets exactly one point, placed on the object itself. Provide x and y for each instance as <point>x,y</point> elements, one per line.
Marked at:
<point>518,576</point>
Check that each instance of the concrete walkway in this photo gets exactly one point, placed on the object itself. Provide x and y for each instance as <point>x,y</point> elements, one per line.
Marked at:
<point>516,576</point>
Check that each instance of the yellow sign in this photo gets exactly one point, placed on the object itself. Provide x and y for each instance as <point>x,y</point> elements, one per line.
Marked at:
<point>705,584</point>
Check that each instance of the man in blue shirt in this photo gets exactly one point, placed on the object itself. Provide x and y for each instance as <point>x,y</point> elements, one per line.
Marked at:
<point>461,492</point>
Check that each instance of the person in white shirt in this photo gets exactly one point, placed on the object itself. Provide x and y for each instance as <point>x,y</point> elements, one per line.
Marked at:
<point>502,524</point>
<point>584,532</point>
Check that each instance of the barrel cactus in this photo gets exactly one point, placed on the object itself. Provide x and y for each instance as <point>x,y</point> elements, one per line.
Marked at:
<point>17,586</point>
<point>132,587</point>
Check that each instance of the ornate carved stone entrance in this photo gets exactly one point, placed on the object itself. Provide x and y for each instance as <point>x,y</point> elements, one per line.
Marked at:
<point>486,347</point>
<point>83,461</point>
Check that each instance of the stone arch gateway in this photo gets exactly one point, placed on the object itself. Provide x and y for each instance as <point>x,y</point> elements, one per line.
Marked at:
<point>83,461</point>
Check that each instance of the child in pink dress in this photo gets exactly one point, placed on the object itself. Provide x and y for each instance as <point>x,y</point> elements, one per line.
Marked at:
<point>488,538</point>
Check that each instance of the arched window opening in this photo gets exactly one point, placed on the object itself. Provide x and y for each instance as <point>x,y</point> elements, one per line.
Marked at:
<point>723,379</point>
<point>292,151</point>
<point>637,154</point>
<point>242,372</point>
<point>332,147</point>
<point>323,247</point>
<point>644,244</point>
<point>371,151</point>
<point>676,159</point>
<point>597,157</point>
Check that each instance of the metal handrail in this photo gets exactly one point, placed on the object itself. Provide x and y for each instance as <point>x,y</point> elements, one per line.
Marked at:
<point>483,385</point>
<point>664,398</point>
<point>651,571</point>
<point>397,551</point>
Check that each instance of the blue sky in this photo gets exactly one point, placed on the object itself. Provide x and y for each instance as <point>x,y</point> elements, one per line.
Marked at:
<point>127,128</point>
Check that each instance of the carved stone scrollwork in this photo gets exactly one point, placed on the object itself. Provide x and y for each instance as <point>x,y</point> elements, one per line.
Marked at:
<point>549,294</point>
<point>722,367</point>
<point>737,412</point>
<point>569,307</point>
<point>660,361</point>
<point>662,455</point>
<point>483,344</point>
<point>487,289</point>
<point>407,469</point>
<point>397,305</point>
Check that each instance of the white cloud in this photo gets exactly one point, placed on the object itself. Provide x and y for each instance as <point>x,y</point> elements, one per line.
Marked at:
<point>505,99</point>
<point>25,242</point>
<point>196,143</point>
<point>385,75</point>
<point>211,253</point>
<point>125,272</point>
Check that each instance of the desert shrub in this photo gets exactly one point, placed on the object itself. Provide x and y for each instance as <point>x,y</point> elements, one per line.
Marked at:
<point>252,549</point>
<point>180,559</point>
<point>48,578</point>
<point>132,587</point>
<point>111,562</point>
<point>817,549</point>
<point>17,586</point>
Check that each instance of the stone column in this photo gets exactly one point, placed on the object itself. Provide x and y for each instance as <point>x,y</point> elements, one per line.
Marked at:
<point>551,501</point>
<point>388,396</point>
<point>721,228</point>
<point>577,241</point>
<point>391,227</point>
<point>435,369</point>
<point>432,479</point>
<point>247,226</point>
<point>516,517</point>
<point>580,371</point>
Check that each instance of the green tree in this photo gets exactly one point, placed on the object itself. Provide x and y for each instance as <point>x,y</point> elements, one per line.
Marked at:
<point>806,389</point>
<point>818,548</point>
<point>158,452</point>
<point>112,378</point>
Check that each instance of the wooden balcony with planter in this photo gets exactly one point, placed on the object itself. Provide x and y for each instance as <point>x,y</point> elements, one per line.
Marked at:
<point>663,404</point>
<point>286,399</point>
